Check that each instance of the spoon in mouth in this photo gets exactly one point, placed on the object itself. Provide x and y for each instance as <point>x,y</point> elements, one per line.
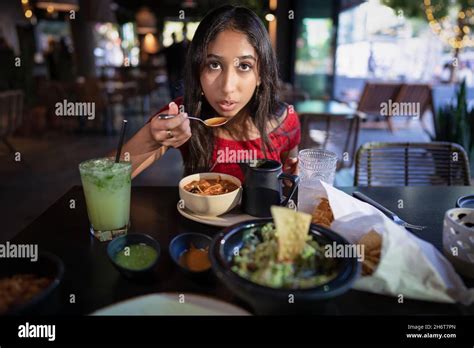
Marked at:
<point>210,122</point>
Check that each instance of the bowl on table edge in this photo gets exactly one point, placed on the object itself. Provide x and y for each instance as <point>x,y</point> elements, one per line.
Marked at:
<point>268,300</point>
<point>48,300</point>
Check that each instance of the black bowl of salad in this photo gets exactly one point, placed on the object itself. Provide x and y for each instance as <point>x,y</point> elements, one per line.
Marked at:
<point>243,257</point>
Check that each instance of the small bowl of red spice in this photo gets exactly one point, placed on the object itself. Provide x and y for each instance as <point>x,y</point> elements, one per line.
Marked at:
<point>190,251</point>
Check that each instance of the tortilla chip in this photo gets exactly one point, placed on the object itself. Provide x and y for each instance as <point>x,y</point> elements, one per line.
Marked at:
<point>368,267</point>
<point>372,242</point>
<point>322,214</point>
<point>374,253</point>
<point>291,230</point>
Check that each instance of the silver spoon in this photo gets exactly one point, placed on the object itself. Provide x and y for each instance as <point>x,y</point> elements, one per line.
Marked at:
<point>210,122</point>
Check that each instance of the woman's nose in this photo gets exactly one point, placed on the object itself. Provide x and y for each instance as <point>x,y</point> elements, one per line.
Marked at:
<point>229,81</point>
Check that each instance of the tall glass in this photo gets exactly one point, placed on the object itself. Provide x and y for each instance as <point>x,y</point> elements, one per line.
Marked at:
<point>107,187</point>
<point>314,165</point>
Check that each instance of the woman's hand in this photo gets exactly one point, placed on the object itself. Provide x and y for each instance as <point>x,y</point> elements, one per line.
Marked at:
<point>290,167</point>
<point>173,132</point>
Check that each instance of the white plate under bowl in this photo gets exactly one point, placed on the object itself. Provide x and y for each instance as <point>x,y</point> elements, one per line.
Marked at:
<point>169,304</point>
<point>234,216</point>
<point>228,219</point>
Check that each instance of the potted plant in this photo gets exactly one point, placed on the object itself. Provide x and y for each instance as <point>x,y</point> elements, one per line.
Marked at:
<point>455,123</point>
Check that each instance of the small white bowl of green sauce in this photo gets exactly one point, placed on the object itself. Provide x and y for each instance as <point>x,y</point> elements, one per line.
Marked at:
<point>134,255</point>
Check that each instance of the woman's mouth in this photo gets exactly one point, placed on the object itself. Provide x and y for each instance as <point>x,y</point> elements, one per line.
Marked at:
<point>227,106</point>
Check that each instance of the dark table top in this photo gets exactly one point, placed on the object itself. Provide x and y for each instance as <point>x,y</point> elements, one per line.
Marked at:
<point>95,283</point>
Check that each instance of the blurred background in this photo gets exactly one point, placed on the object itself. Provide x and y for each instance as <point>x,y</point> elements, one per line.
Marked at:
<point>343,64</point>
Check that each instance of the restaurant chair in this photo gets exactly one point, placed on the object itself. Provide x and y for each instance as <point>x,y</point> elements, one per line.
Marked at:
<point>417,93</point>
<point>336,133</point>
<point>11,115</point>
<point>411,164</point>
<point>373,95</point>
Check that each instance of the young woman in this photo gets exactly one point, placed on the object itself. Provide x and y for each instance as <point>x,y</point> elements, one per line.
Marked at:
<point>231,71</point>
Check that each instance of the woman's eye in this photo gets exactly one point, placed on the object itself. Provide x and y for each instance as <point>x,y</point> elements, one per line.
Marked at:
<point>214,65</point>
<point>245,67</point>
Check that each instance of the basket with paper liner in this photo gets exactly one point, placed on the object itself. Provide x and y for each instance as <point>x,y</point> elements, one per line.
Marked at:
<point>395,261</point>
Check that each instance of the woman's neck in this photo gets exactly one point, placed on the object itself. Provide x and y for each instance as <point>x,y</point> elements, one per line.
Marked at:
<point>240,127</point>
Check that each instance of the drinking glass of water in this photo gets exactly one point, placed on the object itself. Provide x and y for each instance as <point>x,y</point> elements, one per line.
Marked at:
<point>314,165</point>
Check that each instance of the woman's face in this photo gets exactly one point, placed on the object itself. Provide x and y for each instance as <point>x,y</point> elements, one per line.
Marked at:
<point>230,75</point>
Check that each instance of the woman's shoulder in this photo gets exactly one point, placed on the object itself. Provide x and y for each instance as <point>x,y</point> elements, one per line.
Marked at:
<point>288,133</point>
<point>178,101</point>
<point>287,117</point>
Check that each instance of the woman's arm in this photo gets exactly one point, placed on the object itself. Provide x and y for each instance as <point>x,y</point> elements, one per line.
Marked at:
<point>289,158</point>
<point>154,139</point>
<point>290,161</point>
<point>142,150</point>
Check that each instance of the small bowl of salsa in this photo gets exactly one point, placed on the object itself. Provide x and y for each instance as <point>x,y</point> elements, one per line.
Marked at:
<point>190,251</point>
<point>134,255</point>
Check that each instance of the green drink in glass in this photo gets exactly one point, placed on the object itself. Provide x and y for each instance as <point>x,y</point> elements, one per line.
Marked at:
<point>107,187</point>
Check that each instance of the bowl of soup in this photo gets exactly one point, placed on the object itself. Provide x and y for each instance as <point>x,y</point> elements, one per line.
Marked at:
<point>210,194</point>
